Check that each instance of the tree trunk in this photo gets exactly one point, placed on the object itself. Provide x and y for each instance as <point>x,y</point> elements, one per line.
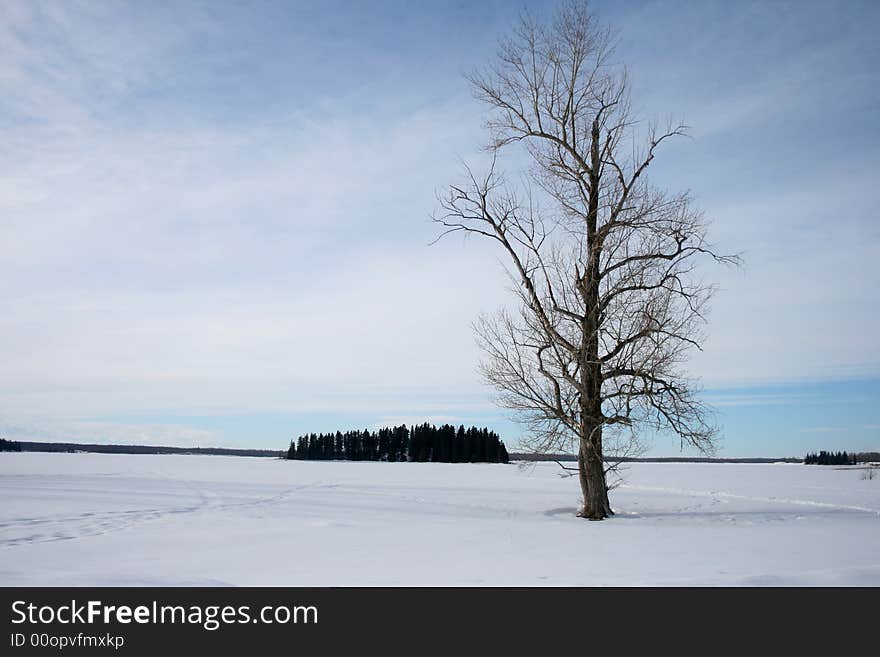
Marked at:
<point>594,487</point>
<point>590,462</point>
<point>585,483</point>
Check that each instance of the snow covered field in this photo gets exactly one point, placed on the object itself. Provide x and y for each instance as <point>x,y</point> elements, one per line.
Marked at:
<point>95,519</point>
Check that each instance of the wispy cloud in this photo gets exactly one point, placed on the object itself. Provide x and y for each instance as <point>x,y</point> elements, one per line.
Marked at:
<point>205,209</point>
<point>753,399</point>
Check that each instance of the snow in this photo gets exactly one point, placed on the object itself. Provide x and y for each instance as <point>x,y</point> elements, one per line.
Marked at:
<point>118,520</point>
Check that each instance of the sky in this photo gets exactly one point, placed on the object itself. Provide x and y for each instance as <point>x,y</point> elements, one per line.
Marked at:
<point>215,216</point>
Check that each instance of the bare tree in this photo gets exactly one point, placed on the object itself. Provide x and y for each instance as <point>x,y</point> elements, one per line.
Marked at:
<point>603,262</point>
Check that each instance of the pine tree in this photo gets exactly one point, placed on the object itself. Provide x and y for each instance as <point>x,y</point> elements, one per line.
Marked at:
<point>425,442</point>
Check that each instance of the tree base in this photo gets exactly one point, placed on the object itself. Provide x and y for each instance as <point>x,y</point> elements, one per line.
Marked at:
<point>587,515</point>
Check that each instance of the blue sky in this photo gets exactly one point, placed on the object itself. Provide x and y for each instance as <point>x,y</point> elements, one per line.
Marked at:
<point>214,216</point>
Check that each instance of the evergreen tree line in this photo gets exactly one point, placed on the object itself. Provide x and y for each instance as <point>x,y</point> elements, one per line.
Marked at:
<point>9,445</point>
<point>830,458</point>
<point>423,443</point>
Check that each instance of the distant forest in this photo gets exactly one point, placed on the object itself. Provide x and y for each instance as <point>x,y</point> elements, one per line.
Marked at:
<point>422,443</point>
<point>831,458</point>
<point>94,448</point>
<point>9,445</point>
